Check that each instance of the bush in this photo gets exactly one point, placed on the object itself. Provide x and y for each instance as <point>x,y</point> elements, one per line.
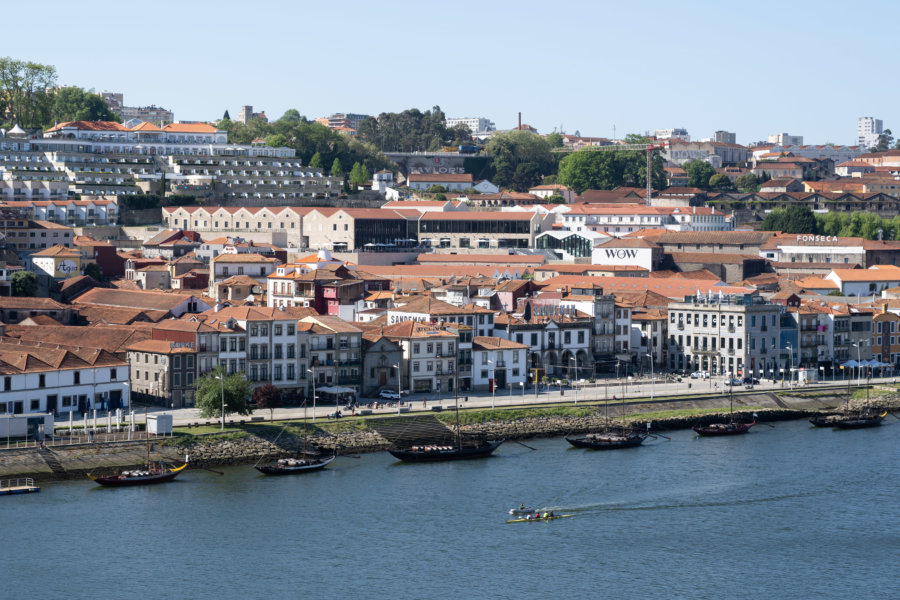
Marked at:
<point>138,202</point>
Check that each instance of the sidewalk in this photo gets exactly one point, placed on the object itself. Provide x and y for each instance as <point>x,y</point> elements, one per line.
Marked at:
<point>605,390</point>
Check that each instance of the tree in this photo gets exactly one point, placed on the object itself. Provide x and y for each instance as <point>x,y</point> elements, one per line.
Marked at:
<point>25,96</point>
<point>796,219</point>
<point>226,116</point>
<point>359,175</point>
<point>267,396</point>
<point>316,161</point>
<point>636,138</point>
<point>336,169</point>
<point>555,140</point>
<point>208,397</point>
<point>885,139</point>
<point>555,199</point>
<point>93,270</point>
<point>749,183</point>
<point>76,104</point>
<point>721,183</point>
<point>606,170</point>
<point>519,159</point>
<point>699,173</point>
<point>24,283</point>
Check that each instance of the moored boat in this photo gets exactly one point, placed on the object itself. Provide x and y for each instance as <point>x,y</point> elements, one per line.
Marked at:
<point>294,466</point>
<point>860,421</point>
<point>156,472</point>
<point>609,440</point>
<point>821,420</point>
<point>718,429</point>
<point>435,453</point>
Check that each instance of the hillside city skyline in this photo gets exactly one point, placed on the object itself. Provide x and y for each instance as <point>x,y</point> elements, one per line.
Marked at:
<point>391,60</point>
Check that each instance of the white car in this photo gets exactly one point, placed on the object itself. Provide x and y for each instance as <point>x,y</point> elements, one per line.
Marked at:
<point>389,395</point>
<point>699,375</point>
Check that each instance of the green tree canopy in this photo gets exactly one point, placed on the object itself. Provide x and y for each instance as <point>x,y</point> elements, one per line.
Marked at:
<point>26,92</point>
<point>520,159</point>
<point>226,116</point>
<point>554,139</point>
<point>748,183</point>
<point>885,139</point>
<point>76,104</point>
<point>24,283</point>
<point>720,183</point>
<point>699,173</point>
<point>93,270</point>
<point>796,219</point>
<point>336,169</point>
<point>359,175</point>
<point>316,161</point>
<point>411,130</point>
<point>208,397</point>
<point>606,170</point>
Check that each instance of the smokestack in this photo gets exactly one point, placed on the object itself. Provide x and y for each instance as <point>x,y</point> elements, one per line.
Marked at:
<point>520,120</point>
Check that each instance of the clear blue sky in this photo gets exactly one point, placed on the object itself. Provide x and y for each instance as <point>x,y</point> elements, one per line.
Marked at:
<point>807,68</point>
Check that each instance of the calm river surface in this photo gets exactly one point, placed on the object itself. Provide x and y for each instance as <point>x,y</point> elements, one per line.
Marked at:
<point>789,512</point>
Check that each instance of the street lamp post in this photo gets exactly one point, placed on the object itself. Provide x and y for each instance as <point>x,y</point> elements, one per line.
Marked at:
<point>399,379</point>
<point>311,370</point>
<point>650,356</point>
<point>221,379</point>
<point>791,372</point>
<point>575,379</point>
<point>493,384</point>
<point>858,365</point>
<point>522,385</point>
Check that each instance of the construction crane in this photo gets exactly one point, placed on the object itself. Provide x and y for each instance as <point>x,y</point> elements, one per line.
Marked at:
<point>648,148</point>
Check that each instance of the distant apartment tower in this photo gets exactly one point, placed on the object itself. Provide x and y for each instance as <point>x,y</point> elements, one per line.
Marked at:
<point>475,124</point>
<point>867,131</point>
<point>151,114</point>
<point>786,139</point>
<point>345,123</point>
<point>725,137</point>
<point>675,133</point>
<point>246,115</point>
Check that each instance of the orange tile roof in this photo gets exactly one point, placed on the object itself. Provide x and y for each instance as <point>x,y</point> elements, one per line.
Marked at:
<point>190,128</point>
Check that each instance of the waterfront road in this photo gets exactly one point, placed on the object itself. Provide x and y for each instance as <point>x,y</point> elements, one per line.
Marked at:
<point>632,389</point>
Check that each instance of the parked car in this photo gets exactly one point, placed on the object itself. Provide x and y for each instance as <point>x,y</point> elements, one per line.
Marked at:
<point>751,381</point>
<point>732,381</point>
<point>699,375</point>
<point>389,395</point>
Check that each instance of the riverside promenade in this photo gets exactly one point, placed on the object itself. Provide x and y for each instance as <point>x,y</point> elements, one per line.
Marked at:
<point>689,392</point>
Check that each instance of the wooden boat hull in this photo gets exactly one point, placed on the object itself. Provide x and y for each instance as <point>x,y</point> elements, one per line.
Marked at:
<point>553,518</point>
<point>859,422</point>
<point>119,481</point>
<point>727,429</point>
<point>631,441</point>
<point>287,470</point>
<point>453,453</point>
<point>822,420</point>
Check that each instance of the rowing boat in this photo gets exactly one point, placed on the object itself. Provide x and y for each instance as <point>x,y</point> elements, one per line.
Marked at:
<point>539,519</point>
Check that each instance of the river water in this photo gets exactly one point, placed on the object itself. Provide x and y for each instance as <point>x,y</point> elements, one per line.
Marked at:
<point>781,512</point>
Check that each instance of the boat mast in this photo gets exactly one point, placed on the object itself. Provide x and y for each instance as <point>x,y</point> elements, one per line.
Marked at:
<point>458,437</point>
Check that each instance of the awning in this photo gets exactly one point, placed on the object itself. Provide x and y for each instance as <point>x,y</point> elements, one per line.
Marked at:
<point>850,363</point>
<point>335,389</point>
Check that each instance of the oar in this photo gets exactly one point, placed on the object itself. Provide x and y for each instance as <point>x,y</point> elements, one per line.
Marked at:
<point>662,436</point>
<point>526,445</point>
<point>212,471</point>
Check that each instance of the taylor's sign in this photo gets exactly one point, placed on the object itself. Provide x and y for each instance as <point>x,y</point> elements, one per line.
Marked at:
<point>816,238</point>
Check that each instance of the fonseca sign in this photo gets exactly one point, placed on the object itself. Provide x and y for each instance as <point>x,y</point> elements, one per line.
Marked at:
<point>816,238</point>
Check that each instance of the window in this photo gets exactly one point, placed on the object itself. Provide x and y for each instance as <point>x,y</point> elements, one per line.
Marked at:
<point>277,330</point>
<point>429,366</point>
<point>415,366</point>
<point>223,345</point>
<point>7,384</point>
<point>76,378</point>
<point>429,348</point>
<point>290,330</point>
<point>113,374</point>
<point>35,405</point>
<point>176,362</point>
<point>291,352</point>
<point>290,373</point>
<point>176,379</point>
<point>580,337</point>
<point>277,351</point>
<point>42,380</point>
<point>277,372</point>
<point>415,348</point>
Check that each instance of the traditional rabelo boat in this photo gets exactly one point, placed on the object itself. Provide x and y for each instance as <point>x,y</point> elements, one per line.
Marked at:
<point>294,466</point>
<point>612,437</point>
<point>863,418</point>
<point>154,472</point>
<point>458,450</point>
<point>732,427</point>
